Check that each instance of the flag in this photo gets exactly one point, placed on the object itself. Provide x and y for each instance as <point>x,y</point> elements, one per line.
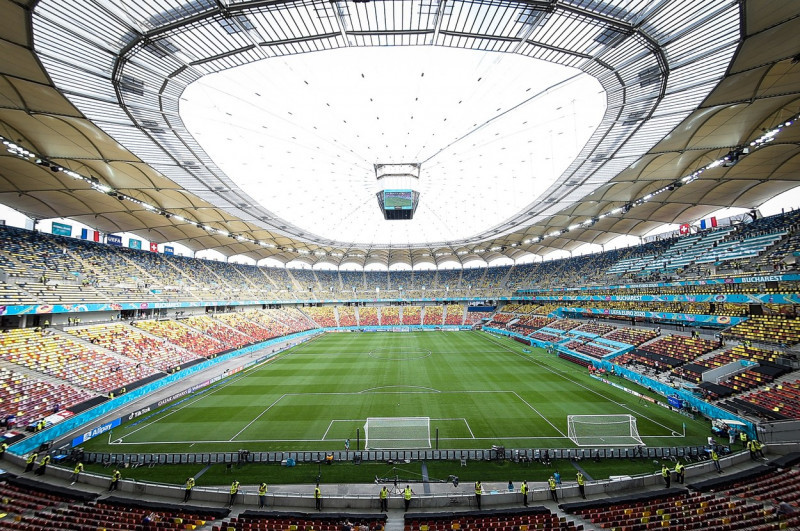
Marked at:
<point>153,247</point>
<point>708,223</point>
<point>96,236</point>
<point>684,229</point>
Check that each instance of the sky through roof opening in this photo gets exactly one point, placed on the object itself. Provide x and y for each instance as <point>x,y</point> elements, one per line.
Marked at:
<point>302,135</point>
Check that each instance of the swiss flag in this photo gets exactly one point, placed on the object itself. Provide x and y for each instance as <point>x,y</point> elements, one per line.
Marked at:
<point>153,247</point>
<point>684,230</point>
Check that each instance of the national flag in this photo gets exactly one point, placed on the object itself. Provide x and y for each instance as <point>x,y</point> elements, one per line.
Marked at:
<point>684,229</point>
<point>153,247</point>
<point>708,223</point>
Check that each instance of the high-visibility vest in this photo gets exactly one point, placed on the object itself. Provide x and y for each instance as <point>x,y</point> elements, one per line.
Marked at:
<point>407,493</point>
<point>117,475</point>
<point>45,460</point>
<point>524,488</point>
<point>78,468</point>
<point>679,468</point>
<point>384,493</point>
<point>234,487</point>
<point>189,483</point>
<point>742,436</point>
<point>478,487</point>
<point>552,483</point>
<point>665,471</point>
<point>262,489</point>
<point>714,456</point>
<point>31,458</point>
<point>317,493</point>
<point>580,478</point>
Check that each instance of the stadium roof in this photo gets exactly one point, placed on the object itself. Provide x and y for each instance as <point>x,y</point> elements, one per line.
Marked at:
<point>95,89</point>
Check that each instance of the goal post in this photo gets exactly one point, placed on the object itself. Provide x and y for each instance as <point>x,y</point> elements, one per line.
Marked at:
<point>603,430</point>
<point>397,433</point>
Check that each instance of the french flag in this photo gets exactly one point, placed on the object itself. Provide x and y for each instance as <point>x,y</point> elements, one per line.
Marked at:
<point>708,223</point>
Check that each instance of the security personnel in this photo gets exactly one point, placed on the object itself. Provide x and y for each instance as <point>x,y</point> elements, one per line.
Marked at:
<point>758,447</point>
<point>478,492</point>
<point>581,483</point>
<point>30,461</point>
<point>552,484</point>
<point>318,498</point>
<point>115,477</point>
<point>188,490</point>
<point>715,459</point>
<point>680,472</point>
<point>262,495</point>
<point>384,495</point>
<point>751,447</point>
<point>42,465</point>
<point>234,492</point>
<point>665,474</point>
<point>76,472</point>
<point>3,448</point>
<point>407,496</point>
<point>524,491</point>
<point>743,439</point>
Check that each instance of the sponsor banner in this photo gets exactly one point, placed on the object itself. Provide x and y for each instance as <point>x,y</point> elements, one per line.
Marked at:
<point>94,432</point>
<point>738,298</point>
<point>691,318</point>
<point>134,243</point>
<point>113,239</point>
<point>62,229</point>
<point>169,250</point>
<point>791,277</point>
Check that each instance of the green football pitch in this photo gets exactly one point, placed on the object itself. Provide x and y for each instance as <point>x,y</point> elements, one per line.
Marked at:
<point>477,389</point>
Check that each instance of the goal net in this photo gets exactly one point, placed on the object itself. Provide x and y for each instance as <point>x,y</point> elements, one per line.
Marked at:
<point>603,430</point>
<point>397,433</point>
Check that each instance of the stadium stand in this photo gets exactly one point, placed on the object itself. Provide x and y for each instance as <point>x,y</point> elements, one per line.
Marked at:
<point>239,321</point>
<point>323,316</point>
<point>347,316</point>
<point>412,315</point>
<point>183,336</point>
<point>773,329</point>
<point>434,315</point>
<point>535,517</point>
<point>368,316</point>
<point>135,345</point>
<point>270,521</point>
<point>390,315</point>
<point>454,314</point>
<point>27,399</point>
<point>60,356</point>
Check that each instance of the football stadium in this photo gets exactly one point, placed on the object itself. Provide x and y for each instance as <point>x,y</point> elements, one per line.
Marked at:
<point>400,265</point>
